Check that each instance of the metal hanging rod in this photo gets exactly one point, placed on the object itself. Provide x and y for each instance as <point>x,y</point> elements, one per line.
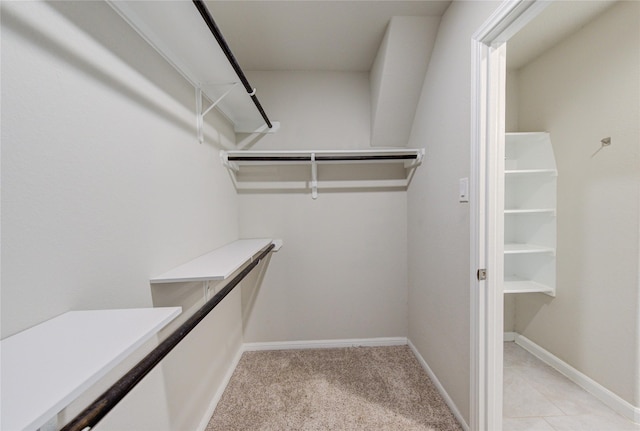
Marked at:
<point>320,158</point>
<point>202,8</point>
<point>91,415</point>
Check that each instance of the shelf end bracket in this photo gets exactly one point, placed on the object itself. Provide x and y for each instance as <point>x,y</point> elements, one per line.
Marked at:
<point>200,113</point>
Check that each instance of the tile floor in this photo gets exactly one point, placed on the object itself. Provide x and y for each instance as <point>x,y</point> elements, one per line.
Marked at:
<point>538,398</point>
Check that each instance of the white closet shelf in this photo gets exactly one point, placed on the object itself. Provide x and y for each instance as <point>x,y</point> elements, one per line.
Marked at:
<point>410,157</point>
<point>527,172</point>
<point>549,211</point>
<point>518,285</point>
<point>46,367</point>
<point>177,31</point>
<point>515,248</point>
<point>218,264</point>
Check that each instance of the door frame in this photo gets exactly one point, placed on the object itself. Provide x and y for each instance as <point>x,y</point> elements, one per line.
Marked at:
<point>488,82</point>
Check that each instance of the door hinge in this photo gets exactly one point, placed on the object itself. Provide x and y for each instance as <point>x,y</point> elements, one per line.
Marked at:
<point>482,274</point>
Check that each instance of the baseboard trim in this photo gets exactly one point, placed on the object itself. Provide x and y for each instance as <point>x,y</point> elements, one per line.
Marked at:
<point>436,382</point>
<point>510,336</point>
<point>325,344</point>
<point>218,395</point>
<point>612,400</point>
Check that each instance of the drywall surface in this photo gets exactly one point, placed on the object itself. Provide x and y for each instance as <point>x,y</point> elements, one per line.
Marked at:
<point>438,226</point>
<point>104,183</point>
<point>396,75</point>
<point>584,89</point>
<point>342,270</point>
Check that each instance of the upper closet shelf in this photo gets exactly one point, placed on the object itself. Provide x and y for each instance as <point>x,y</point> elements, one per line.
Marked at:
<point>46,367</point>
<point>218,264</point>
<point>178,30</point>
<point>410,157</point>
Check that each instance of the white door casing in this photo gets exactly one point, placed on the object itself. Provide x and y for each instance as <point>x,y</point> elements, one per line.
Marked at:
<point>488,83</point>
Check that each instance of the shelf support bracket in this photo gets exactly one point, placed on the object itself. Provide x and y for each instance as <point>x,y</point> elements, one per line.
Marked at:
<point>224,157</point>
<point>200,113</point>
<point>314,177</point>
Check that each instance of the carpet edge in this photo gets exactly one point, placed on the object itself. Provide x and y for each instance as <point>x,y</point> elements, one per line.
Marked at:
<point>447,399</point>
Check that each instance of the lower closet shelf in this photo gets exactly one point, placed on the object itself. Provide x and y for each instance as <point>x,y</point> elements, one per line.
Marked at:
<point>46,367</point>
<point>519,285</point>
<point>516,248</point>
<point>218,264</point>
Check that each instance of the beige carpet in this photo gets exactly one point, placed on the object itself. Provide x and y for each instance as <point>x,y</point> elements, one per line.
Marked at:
<point>360,388</point>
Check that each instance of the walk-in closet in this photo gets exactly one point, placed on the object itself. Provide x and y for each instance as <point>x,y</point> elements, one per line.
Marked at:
<point>273,215</point>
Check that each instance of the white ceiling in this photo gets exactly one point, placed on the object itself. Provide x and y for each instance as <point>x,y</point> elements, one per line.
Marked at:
<point>344,35</point>
<point>339,35</point>
<point>557,21</point>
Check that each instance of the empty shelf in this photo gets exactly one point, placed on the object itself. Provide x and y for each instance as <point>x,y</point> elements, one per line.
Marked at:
<point>216,265</point>
<point>46,367</point>
<point>518,285</point>
<point>410,157</point>
<point>527,248</point>
<point>514,172</point>
<point>550,211</point>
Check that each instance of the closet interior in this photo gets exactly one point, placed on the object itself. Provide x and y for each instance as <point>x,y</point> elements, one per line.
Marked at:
<point>563,210</point>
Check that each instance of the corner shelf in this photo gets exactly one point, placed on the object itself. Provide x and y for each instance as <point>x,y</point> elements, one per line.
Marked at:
<point>517,285</point>
<point>218,264</point>
<point>515,248</point>
<point>516,211</point>
<point>526,172</point>
<point>46,367</point>
<point>530,211</point>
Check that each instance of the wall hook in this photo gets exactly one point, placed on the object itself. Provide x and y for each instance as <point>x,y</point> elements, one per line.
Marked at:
<point>604,142</point>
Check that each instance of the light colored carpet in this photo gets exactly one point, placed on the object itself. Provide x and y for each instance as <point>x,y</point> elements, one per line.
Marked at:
<point>359,388</point>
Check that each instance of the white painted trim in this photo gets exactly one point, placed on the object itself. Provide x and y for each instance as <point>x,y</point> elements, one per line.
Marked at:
<point>438,385</point>
<point>612,400</point>
<point>510,336</point>
<point>218,395</point>
<point>325,344</point>
<point>487,122</point>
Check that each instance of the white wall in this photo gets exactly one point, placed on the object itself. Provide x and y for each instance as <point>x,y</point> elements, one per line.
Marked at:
<point>582,90</point>
<point>397,72</point>
<point>342,270</point>
<point>105,185</point>
<point>438,224</point>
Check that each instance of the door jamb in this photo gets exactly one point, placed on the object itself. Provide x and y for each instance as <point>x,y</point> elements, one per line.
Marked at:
<point>488,78</point>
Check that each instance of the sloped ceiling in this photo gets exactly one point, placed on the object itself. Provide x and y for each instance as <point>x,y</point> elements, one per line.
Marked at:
<point>311,35</point>
<point>557,21</point>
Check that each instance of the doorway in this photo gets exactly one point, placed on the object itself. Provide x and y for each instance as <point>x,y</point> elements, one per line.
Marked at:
<point>490,120</point>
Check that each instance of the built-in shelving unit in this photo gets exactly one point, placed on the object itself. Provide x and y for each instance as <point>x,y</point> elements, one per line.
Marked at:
<point>530,214</point>
<point>46,367</point>
<point>407,159</point>
<point>177,31</point>
<point>218,264</point>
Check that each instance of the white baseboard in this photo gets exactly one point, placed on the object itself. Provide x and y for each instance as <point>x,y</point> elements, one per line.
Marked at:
<point>436,382</point>
<point>510,336</point>
<point>218,395</point>
<point>612,400</point>
<point>325,344</point>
